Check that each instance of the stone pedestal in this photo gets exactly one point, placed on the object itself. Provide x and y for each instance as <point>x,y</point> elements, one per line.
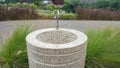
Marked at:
<point>61,48</point>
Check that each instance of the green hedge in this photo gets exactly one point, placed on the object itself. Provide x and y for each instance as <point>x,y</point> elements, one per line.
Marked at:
<point>68,16</point>
<point>22,5</point>
<point>63,16</point>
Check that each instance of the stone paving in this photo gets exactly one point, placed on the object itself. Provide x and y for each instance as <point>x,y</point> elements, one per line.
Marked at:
<point>6,27</point>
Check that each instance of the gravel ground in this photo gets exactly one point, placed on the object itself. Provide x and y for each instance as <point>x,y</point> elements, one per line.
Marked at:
<point>6,27</point>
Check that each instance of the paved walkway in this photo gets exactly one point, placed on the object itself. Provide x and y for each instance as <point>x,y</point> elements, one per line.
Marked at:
<point>6,27</point>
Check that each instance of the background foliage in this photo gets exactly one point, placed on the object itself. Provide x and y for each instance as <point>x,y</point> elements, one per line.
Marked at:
<point>36,2</point>
<point>107,4</point>
<point>20,5</point>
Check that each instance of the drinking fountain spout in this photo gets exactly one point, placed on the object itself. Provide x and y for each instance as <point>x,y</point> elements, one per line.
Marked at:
<point>57,18</point>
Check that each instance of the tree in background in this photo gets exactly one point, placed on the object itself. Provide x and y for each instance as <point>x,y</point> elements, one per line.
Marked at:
<point>114,4</point>
<point>107,4</point>
<point>51,7</point>
<point>70,5</point>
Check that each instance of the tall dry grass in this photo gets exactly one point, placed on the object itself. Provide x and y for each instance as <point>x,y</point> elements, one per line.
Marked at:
<point>97,14</point>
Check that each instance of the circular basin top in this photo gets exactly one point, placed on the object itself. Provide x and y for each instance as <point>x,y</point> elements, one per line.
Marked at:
<point>56,37</point>
<point>53,38</point>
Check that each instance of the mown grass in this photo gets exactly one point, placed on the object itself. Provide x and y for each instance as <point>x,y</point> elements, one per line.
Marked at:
<point>103,48</point>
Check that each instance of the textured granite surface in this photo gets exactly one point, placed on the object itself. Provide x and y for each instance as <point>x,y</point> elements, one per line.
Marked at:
<point>69,52</point>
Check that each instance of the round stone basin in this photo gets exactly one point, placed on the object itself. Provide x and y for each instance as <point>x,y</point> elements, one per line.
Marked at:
<point>56,48</point>
<point>57,37</point>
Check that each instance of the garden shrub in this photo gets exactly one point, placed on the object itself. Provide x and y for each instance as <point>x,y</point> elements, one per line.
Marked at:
<point>11,5</point>
<point>100,4</point>
<point>107,4</point>
<point>17,14</point>
<point>22,5</point>
<point>70,5</point>
<point>63,16</point>
<point>51,7</point>
<point>97,14</point>
<point>44,15</point>
<point>114,4</point>
<point>68,16</point>
<point>0,5</point>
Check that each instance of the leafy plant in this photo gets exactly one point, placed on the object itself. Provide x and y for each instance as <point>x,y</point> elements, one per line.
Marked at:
<point>0,5</point>
<point>103,48</point>
<point>68,16</point>
<point>22,5</point>
<point>63,16</point>
<point>70,5</point>
<point>46,15</point>
<point>114,4</point>
<point>14,49</point>
<point>100,4</point>
<point>107,4</point>
<point>36,2</point>
<point>51,7</point>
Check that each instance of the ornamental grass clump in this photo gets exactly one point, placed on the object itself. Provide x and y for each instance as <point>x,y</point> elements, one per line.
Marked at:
<point>103,48</point>
<point>14,52</point>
